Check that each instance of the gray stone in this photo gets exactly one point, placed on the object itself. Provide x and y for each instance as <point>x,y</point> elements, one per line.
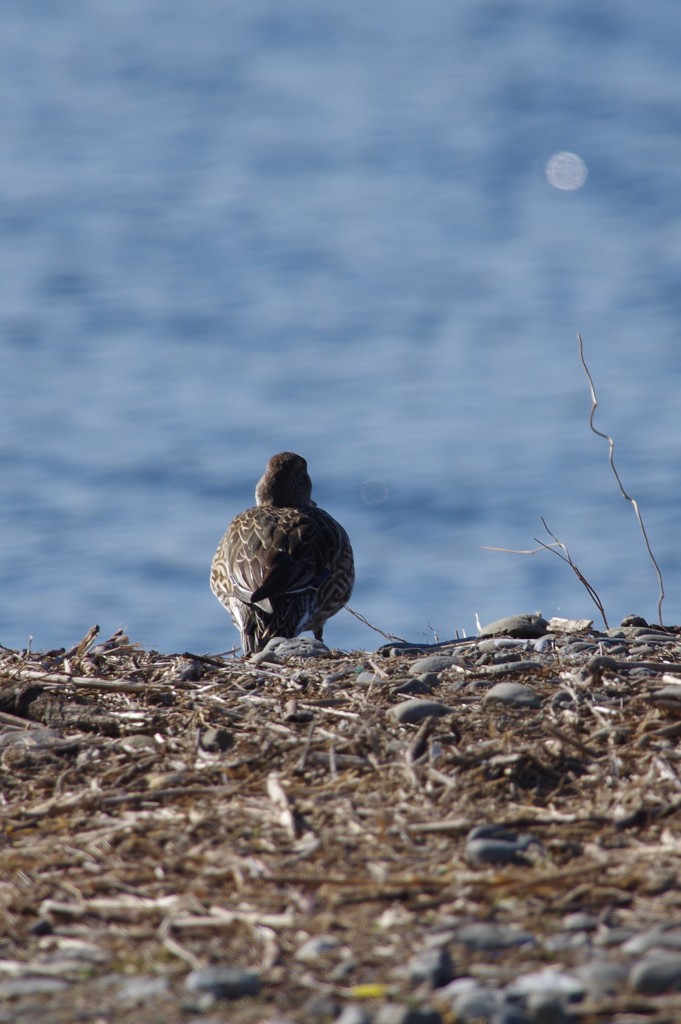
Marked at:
<point>413,688</point>
<point>481,935</point>
<point>657,974</point>
<point>280,647</point>
<point>653,938</point>
<point>473,1003</point>
<point>432,967</point>
<point>395,1013</point>
<point>411,711</point>
<point>546,1008</point>
<point>434,663</point>
<point>368,678</point>
<point>494,844</point>
<point>517,667</point>
<point>216,740</point>
<point>503,643</point>
<point>31,985</point>
<point>316,946</point>
<point>580,920</point>
<point>224,982</point>
<point>353,1013</point>
<point>549,982</point>
<point>602,977</point>
<point>512,695</point>
<point>495,851</point>
<point>322,1007</point>
<point>526,626</point>
<point>140,989</point>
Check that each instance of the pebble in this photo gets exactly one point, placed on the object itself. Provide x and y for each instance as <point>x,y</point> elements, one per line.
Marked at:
<point>321,1007</point>
<point>546,1008</point>
<point>394,1013</point>
<point>481,935</point>
<point>224,982</point>
<point>315,947</point>
<point>512,695</point>
<point>414,687</point>
<point>602,977</point>
<point>472,1002</point>
<point>657,974</point>
<point>411,711</point>
<point>216,740</point>
<point>279,648</point>
<point>493,844</point>
<point>661,937</point>
<point>503,644</point>
<point>434,663</point>
<point>504,668</point>
<point>549,982</point>
<point>526,625</point>
<point>432,967</point>
<point>141,988</point>
<point>368,678</point>
<point>31,985</point>
<point>353,1013</point>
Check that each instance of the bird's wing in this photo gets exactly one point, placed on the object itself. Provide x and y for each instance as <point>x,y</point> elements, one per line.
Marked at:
<point>298,557</point>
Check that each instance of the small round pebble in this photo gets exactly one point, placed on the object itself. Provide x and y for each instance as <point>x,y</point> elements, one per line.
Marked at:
<point>481,935</point>
<point>352,1013</point>
<point>216,740</point>
<point>432,967</point>
<point>368,678</point>
<point>414,687</point>
<point>411,711</point>
<point>512,695</point>
<point>434,663</point>
<point>316,946</point>
<point>224,982</point>
<point>280,647</point>
<point>505,668</point>
<point>494,844</point>
<point>602,977</point>
<point>657,974</point>
<point>549,982</point>
<point>394,1013</point>
<point>141,988</point>
<point>473,1003</point>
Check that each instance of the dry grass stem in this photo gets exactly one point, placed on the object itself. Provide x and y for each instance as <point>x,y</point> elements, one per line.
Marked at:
<point>627,497</point>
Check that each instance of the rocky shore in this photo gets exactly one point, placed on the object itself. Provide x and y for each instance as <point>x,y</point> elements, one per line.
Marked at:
<point>479,830</point>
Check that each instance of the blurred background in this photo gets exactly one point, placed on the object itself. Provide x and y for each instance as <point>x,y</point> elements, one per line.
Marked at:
<point>365,232</point>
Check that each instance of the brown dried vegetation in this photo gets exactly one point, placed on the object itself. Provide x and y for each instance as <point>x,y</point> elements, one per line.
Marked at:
<point>161,813</point>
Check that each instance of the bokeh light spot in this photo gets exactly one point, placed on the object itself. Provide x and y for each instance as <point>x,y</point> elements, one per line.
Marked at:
<point>566,171</point>
<point>374,491</point>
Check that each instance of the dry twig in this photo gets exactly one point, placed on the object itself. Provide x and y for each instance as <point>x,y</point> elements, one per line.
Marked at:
<point>627,497</point>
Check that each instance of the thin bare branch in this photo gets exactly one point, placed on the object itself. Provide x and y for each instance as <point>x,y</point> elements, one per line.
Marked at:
<point>387,636</point>
<point>567,558</point>
<point>520,551</point>
<point>627,497</point>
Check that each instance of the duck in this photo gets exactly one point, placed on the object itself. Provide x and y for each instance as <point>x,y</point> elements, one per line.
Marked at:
<point>285,566</point>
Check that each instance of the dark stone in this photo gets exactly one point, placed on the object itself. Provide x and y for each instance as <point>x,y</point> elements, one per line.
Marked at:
<point>432,967</point>
<point>657,974</point>
<point>412,711</point>
<point>224,982</point>
<point>524,626</point>
<point>513,695</point>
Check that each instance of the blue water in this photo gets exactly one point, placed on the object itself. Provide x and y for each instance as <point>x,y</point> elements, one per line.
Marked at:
<point>233,229</point>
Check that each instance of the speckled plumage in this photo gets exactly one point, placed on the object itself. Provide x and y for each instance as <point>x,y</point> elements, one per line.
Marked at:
<point>285,566</point>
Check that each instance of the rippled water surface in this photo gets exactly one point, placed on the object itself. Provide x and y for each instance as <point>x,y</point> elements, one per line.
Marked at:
<point>233,229</point>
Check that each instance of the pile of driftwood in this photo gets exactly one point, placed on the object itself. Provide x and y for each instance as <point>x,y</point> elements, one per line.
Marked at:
<point>163,813</point>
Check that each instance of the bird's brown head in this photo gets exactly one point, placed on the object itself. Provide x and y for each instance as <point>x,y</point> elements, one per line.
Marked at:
<point>286,482</point>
